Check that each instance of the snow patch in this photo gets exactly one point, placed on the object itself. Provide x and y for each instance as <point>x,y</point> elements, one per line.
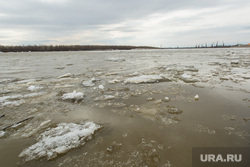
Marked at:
<point>59,140</point>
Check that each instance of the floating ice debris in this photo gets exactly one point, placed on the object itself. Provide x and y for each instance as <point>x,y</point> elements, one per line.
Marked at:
<point>2,133</point>
<point>245,76</point>
<point>34,88</point>
<point>166,99</point>
<point>105,97</point>
<point>174,111</point>
<point>73,96</point>
<point>202,129</point>
<point>134,74</point>
<point>26,81</point>
<point>31,131</point>
<point>187,78</point>
<point>235,62</point>
<point>150,99</point>
<point>116,59</point>
<point>191,68</point>
<point>89,83</point>
<point>101,87</point>
<point>60,139</point>
<point>196,97</point>
<point>114,81</point>
<point>224,78</point>
<point>17,100</point>
<point>147,79</point>
<point>65,75</point>
<point>33,95</point>
<point>13,103</point>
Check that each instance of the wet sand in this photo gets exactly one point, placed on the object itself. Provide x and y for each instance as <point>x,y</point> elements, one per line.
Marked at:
<point>124,92</point>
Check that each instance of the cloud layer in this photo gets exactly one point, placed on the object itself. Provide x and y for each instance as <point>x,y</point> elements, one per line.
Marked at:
<point>148,22</point>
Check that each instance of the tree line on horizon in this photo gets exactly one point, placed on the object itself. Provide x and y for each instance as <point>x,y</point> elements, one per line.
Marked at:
<point>49,48</point>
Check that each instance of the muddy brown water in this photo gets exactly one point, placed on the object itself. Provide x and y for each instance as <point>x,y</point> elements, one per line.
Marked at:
<point>138,128</point>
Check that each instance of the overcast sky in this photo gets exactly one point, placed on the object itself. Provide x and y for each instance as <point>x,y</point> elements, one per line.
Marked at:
<point>124,22</point>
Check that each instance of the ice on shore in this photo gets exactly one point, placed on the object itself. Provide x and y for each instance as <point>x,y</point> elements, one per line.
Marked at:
<point>73,96</point>
<point>59,140</point>
<point>146,79</point>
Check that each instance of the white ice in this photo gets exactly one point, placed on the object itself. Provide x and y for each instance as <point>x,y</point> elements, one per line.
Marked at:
<point>187,78</point>
<point>89,83</point>
<point>73,96</point>
<point>2,133</point>
<point>34,88</point>
<point>146,79</point>
<point>65,75</point>
<point>60,140</point>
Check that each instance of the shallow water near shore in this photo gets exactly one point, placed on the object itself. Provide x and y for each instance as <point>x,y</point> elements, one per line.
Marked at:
<point>144,101</point>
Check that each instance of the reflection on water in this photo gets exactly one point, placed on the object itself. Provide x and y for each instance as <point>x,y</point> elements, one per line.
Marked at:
<point>144,100</point>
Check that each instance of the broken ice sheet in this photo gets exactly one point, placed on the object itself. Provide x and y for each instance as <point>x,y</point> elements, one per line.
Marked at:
<point>147,79</point>
<point>59,140</point>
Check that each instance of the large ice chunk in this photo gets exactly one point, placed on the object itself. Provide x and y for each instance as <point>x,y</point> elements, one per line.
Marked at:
<point>147,79</point>
<point>60,140</point>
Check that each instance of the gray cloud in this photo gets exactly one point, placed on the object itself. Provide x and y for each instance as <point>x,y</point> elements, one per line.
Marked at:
<point>47,20</point>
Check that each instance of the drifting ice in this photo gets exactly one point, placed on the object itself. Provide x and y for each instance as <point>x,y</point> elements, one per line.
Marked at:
<point>196,97</point>
<point>73,96</point>
<point>60,140</point>
<point>146,79</point>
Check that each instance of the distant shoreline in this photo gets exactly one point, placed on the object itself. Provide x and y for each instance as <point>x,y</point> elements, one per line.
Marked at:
<point>53,48</point>
<point>50,48</point>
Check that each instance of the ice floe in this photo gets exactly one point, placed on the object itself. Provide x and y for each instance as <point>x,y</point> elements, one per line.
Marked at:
<point>105,97</point>
<point>59,140</point>
<point>196,97</point>
<point>173,110</point>
<point>187,78</point>
<point>73,96</point>
<point>114,81</point>
<point>2,133</point>
<point>166,99</point>
<point>101,87</point>
<point>65,75</point>
<point>89,83</point>
<point>34,88</point>
<point>147,79</point>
